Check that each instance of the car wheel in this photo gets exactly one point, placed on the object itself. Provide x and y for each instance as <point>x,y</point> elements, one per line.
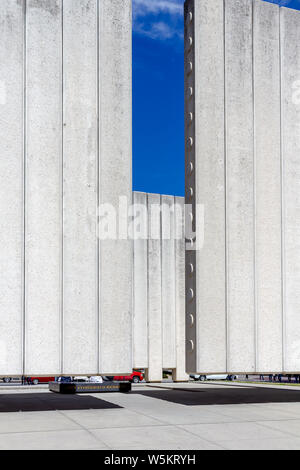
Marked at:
<point>6,380</point>
<point>135,380</point>
<point>202,378</point>
<point>35,382</point>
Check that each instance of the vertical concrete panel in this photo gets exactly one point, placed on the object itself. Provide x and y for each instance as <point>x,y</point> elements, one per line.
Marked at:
<point>290,61</point>
<point>268,186</point>
<point>140,283</point>
<point>11,186</point>
<point>240,185</point>
<point>168,282</point>
<point>210,185</point>
<point>155,364</point>
<point>80,155</point>
<point>180,374</point>
<point>43,187</point>
<point>115,176</point>
<point>190,186</point>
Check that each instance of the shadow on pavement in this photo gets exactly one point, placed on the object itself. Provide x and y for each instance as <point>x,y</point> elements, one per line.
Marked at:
<point>50,402</point>
<point>222,396</point>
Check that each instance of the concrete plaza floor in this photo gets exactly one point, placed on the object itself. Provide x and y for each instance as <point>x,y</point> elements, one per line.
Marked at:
<point>184,416</point>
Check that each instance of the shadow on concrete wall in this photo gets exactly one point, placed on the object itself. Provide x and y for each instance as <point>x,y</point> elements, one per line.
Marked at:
<point>223,395</point>
<point>50,402</point>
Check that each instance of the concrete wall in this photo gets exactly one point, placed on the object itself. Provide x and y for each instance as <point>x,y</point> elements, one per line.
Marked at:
<point>159,308</point>
<point>242,66</point>
<point>65,132</point>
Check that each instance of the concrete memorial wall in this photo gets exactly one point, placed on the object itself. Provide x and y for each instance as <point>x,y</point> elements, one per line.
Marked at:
<point>65,148</point>
<point>158,286</point>
<point>68,304</point>
<point>242,69</point>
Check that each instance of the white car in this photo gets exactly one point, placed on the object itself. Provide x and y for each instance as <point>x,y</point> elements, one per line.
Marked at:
<point>203,378</point>
<point>96,380</point>
<point>93,379</point>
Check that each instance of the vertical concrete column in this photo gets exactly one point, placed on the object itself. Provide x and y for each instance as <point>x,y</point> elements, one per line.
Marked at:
<point>43,237</point>
<point>190,184</point>
<point>205,185</point>
<point>115,181</point>
<point>140,282</point>
<point>80,185</point>
<point>154,372</point>
<point>11,185</point>
<point>179,374</point>
<point>168,276</point>
<point>266,79</point>
<point>290,79</point>
<point>210,170</point>
<point>240,185</point>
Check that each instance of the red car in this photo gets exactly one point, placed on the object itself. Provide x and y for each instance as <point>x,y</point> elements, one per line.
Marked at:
<point>135,378</point>
<point>39,380</point>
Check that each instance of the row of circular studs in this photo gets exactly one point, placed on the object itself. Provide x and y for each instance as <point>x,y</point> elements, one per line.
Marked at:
<point>190,93</point>
<point>190,117</point>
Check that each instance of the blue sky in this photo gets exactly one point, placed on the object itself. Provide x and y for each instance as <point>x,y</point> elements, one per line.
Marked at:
<point>158,95</point>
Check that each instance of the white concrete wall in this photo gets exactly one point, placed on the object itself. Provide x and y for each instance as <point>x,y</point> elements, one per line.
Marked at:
<point>267,176</point>
<point>140,282</point>
<point>11,186</point>
<point>159,309</point>
<point>43,186</point>
<point>245,144</point>
<point>179,373</point>
<point>80,291</point>
<point>209,281</point>
<point>290,74</point>
<point>65,128</point>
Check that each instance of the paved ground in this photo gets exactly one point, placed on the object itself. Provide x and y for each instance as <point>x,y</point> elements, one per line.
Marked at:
<point>166,416</point>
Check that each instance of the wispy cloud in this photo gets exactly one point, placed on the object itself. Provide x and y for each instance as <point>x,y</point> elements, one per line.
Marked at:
<point>159,30</point>
<point>144,7</point>
<point>158,19</point>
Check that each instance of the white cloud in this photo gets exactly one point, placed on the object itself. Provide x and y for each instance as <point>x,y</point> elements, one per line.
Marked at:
<point>159,30</point>
<point>165,26</point>
<point>145,7</point>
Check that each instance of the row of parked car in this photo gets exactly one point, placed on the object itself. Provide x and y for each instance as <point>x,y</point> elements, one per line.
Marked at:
<point>135,377</point>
